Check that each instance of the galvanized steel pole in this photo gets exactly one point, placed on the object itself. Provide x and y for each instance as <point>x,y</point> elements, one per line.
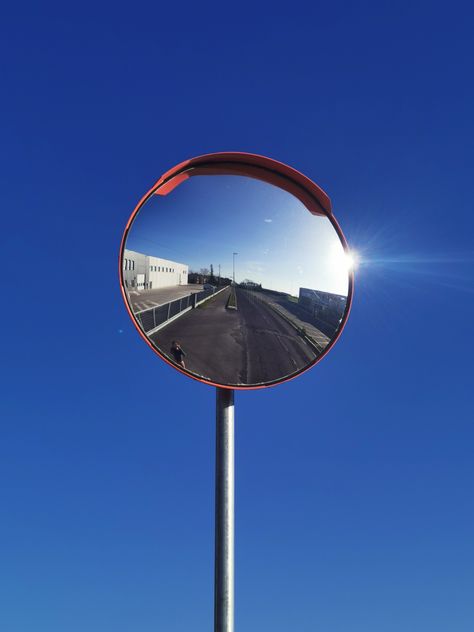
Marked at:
<point>224,545</point>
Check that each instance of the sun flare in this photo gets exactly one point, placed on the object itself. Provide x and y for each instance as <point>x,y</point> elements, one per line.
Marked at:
<point>344,261</point>
<point>351,260</point>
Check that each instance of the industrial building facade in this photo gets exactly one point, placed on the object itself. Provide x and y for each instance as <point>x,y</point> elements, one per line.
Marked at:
<point>323,305</point>
<point>144,272</point>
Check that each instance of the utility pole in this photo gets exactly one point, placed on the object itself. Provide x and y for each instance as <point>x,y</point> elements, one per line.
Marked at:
<point>233,266</point>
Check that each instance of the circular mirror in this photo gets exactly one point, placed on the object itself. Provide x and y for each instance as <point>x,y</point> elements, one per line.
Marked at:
<point>235,271</point>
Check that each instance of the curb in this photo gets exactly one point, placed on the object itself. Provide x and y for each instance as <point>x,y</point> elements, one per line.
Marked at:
<point>235,299</point>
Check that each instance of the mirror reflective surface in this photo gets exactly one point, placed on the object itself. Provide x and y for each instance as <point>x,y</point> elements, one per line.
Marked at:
<point>234,280</point>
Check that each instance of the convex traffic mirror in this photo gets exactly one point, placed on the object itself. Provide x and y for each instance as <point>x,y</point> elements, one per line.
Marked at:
<point>235,271</point>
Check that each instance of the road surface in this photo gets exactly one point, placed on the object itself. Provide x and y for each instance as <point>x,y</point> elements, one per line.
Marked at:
<point>250,345</point>
<point>274,347</point>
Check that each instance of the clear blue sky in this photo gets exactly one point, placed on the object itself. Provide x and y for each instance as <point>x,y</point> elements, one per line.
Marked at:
<point>355,481</point>
<point>278,242</point>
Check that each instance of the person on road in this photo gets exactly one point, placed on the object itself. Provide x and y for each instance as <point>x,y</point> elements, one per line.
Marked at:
<point>177,353</point>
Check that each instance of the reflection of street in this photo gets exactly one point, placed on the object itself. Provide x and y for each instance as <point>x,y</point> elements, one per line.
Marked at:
<point>274,348</point>
<point>211,338</point>
<point>300,319</point>
<point>251,345</point>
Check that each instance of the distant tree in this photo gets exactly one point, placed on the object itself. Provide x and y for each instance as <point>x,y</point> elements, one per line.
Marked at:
<point>251,285</point>
<point>194,277</point>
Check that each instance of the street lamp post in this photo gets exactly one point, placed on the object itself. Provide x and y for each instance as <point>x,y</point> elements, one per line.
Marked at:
<point>233,266</point>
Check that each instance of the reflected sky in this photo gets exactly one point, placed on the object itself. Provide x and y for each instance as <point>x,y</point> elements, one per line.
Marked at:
<point>280,244</point>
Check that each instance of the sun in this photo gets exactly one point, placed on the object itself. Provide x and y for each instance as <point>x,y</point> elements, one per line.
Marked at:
<point>351,260</point>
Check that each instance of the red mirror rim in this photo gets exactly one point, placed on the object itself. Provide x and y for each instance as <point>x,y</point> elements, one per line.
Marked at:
<point>261,168</point>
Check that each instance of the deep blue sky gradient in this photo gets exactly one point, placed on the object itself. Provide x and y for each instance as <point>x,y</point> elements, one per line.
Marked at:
<point>354,482</point>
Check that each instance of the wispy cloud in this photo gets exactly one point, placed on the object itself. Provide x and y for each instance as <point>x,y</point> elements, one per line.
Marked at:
<point>268,220</point>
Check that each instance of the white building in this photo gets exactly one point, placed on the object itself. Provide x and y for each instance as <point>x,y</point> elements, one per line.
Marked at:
<point>143,272</point>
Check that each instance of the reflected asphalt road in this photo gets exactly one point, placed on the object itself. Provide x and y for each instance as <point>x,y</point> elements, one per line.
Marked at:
<point>211,338</point>
<point>274,348</point>
<point>248,346</point>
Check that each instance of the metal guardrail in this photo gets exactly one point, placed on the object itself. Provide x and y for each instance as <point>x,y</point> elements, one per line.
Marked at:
<point>154,318</point>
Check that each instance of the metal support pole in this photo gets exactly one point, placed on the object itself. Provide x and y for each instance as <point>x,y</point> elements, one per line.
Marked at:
<point>224,546</point>
<point>233,266</point>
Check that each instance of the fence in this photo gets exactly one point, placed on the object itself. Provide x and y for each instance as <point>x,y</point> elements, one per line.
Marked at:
<point>155,318</point>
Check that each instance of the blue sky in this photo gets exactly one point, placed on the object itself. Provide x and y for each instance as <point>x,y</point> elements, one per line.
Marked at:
<point>353,482</point>
<point>278,242</point>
